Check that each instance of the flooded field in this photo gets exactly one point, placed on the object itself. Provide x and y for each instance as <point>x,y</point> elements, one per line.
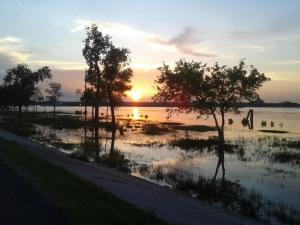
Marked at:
<point>260,171</point>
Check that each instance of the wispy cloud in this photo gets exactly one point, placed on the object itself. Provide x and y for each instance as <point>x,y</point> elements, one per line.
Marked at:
<point>284,62</point>
<point>14,48</point>
<point>187,42</point>
<point>62,65</point>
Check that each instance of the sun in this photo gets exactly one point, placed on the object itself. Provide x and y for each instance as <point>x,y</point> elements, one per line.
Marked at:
<point>135,95</point>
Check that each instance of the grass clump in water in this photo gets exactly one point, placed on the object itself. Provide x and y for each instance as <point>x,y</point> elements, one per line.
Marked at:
<point>198,128</point>
<point>287,157</point>
<point>274,131</point>
<point>154,129</point>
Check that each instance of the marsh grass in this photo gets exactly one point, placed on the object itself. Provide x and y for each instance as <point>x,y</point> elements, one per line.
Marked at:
<point>274,131</point>
<point>148,144</point>
<point>287,157</point>
<point>154,129</point>
<point>198,128</point>
<point>196,144</point>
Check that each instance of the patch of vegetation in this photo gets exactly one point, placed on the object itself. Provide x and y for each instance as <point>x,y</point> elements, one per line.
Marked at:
<point>80,201</point>
<point>198,128</point>
<point>188,143</point>
<point>287,157</point>
<point>58,122</point>
<point>209,144</point>
<point>171,123</point>
<point>115,159</point>
<point>148,144</point>
<point>275,141</point>
<point>154,129</point>
<point>274,131</point>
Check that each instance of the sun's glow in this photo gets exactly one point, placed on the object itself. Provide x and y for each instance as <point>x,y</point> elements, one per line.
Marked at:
<point>135,95</point>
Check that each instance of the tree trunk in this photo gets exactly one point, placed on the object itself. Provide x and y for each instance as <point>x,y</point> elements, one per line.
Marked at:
<point>20,109</point>
<point>113,124</point>
<point>54,108</point>
<point>97,142</point>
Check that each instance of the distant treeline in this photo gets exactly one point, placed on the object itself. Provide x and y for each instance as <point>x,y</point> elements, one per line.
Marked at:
<point>161,104</point>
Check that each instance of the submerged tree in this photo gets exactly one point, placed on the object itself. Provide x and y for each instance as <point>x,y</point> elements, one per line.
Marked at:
<point>216,90</point>
<point>54,93</point>
<point>94,51</point>
<point>20,84</point>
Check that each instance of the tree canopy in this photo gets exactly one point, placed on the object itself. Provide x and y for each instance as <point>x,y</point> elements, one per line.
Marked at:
<point>54,93</point>
<point>20,84</point>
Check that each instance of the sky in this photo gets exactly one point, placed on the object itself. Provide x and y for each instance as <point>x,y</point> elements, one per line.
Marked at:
<point>266,33</point>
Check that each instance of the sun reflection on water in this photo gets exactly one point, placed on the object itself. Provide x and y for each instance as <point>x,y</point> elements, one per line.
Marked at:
<point>135,112</point>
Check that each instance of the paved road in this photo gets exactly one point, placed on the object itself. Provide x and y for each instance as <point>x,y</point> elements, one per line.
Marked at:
<point>20,205</point>
<point>164,203</point>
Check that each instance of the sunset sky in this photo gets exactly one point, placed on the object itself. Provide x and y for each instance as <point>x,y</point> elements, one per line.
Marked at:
<point>266,33</point>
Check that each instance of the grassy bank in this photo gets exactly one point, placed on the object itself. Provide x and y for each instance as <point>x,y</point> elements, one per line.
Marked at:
<point>80,201</point>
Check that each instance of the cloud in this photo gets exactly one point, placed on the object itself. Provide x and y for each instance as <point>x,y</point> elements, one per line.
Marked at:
<point>14,49</point>
<point>284,62</point>
<point>187,42</point>
<point>61,65</point>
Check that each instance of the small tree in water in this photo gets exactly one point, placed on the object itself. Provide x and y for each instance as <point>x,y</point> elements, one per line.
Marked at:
<point>54,93</point>
<point>216,90</point>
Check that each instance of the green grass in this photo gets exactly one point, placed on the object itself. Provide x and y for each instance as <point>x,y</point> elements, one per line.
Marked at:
<point>80,201</point>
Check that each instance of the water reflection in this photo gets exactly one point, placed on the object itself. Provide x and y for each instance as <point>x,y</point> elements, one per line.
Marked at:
<point>135,112</point>
<point>94,147</point>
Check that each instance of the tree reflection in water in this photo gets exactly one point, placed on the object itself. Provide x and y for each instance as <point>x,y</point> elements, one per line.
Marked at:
<point>94,147</point>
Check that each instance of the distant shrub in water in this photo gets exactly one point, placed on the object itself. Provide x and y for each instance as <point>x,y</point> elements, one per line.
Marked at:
<point>154,129</point>
<point>245,122</point>
<point>263,123</point>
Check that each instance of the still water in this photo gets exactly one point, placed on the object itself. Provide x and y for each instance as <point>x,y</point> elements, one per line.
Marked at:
<point>254,167</point>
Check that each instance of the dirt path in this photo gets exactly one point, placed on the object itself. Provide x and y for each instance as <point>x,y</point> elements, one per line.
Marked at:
<point>162,202</point>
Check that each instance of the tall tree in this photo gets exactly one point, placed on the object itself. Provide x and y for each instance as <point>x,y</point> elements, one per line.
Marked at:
<point>94,51</point>
<point>54,93</point>
<point>20,82</point>
<point>117,77</point>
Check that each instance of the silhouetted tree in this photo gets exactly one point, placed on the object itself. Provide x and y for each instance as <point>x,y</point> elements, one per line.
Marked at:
<point>192,86</point>
<point>117,77</point>
<point>208,90</point>
<point>54,93</point>
<point>94,51</point>
<point>37,97</point>
<point>20,84</point>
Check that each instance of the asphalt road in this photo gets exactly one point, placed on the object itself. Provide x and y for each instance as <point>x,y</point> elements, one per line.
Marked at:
<point>21,205</point>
